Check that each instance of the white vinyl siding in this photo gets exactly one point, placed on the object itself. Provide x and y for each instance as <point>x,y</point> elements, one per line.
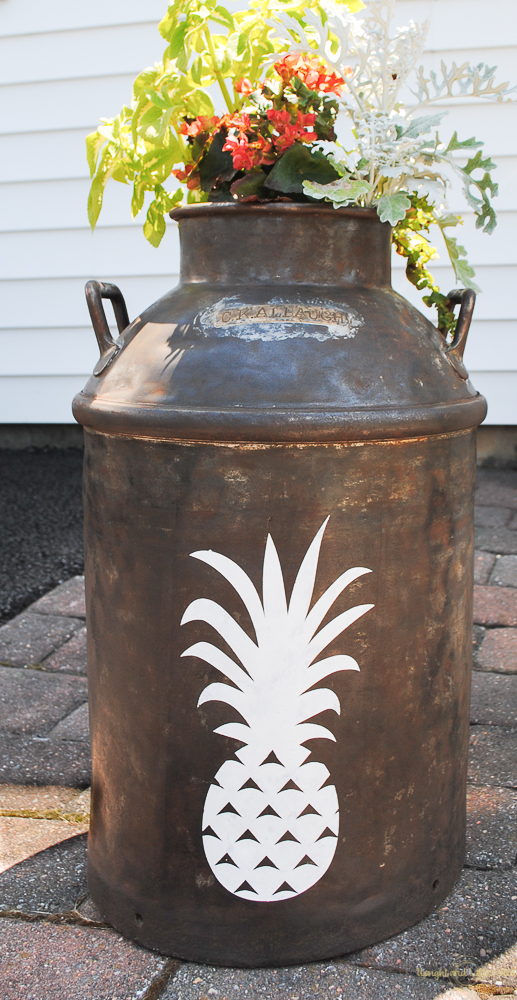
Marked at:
<point>64,65</point>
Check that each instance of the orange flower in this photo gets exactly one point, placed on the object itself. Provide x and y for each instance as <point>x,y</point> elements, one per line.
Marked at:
<point>200,124</point>
<point>244,86</point>
<point>239,121</point>
<point>311,70</point>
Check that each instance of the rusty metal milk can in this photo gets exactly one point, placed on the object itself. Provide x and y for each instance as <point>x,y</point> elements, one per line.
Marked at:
<point>279,471</point>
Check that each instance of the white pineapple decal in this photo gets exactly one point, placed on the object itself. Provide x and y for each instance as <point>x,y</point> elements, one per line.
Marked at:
<point>271,821</point>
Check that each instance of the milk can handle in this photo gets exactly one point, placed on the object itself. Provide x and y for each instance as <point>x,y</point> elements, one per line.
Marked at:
<point>96,291</point>
<point>466,299</point>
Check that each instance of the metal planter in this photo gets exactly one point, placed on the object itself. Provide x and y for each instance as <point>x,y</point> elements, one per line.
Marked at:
<point>280,458</point>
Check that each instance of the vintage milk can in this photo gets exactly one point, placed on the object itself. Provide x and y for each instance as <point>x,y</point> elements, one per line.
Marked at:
<point>279,473</point>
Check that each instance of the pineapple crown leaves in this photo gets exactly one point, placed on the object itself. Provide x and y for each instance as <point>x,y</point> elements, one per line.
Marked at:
<point>278,670</point>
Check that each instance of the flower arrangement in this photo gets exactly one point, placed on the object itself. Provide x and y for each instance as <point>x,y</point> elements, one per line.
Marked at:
<point>284,72</point>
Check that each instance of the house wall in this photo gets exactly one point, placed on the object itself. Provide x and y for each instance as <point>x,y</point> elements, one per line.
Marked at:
<point>62,66</point>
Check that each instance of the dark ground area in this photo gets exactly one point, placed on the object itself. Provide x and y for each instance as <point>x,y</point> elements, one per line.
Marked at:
<point>41,523</point>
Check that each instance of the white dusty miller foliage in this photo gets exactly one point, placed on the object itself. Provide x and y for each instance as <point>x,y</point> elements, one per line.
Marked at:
<point>398,157</point>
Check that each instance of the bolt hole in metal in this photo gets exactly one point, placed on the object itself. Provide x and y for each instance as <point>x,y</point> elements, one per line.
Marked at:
<point>139,918</point>
<point>436,883</point>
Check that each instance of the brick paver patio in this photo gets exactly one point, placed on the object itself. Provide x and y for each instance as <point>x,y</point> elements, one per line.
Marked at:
<point>55,945</point>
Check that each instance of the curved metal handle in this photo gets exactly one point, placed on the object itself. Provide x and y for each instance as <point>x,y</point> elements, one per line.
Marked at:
<point>96,291</point>
<point>466,299</point>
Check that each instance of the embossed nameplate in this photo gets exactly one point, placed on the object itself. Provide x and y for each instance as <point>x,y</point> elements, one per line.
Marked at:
<point>280,320</point>
<point>319,315</point>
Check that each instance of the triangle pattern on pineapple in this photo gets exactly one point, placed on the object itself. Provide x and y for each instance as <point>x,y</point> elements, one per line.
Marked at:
<point>284,888</point>
<point>248,835</point>
<point>309,811</point>
<point>272,759</point>
<point>208,832</point>
<point>269,811</point>
<point>226,860</point>
<point>246,887</point>
<point>327,833</point>
<point>287,837</point>
<point>290,785</point>
<point>228,808</point>
<point>305,861</point>
<point>266,863</point>
<point>250,784</point>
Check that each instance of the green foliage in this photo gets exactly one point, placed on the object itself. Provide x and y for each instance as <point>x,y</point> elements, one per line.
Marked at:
<point>282,69</point>
<point>392,208</point>
<point>207,45</point>
<point>298,163</point>
<point>411,243</point>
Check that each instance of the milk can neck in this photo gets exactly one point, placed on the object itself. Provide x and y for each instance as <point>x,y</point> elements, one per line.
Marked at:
<point>281,244</point>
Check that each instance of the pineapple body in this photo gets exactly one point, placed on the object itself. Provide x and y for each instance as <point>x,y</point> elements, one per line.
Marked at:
<point>270,842</point>
<point>270,820</point>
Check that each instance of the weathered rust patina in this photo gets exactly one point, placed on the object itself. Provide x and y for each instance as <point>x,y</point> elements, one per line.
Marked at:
<point>282,383</point>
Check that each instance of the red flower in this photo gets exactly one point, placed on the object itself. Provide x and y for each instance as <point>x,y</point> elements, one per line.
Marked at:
<point>247,155</point>
<point>311,70</point>
<point>279,117</point>
<point>182,176</point>
<point>290,132</point>
<point>242,155</point>
<point>243,86</point>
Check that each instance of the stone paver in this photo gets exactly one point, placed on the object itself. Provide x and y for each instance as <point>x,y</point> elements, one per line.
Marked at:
<point>75,726</point>
<point>495,605</point>
<point>501,970</point>
<point>329,979</point>
<point>67,599</point>
<point>34,702</point>
<point>502,540</point>
<point>20,838</point>
<point>47,802</point>
<point>43,961</point>
<point>477,920</point>
<point>478,635</point>
<point>491,827</point>
<point>34,760</point>
<point>483,563</point>
<point>504,572</point>
<point>494,700</point>
<point>51,882</point>
<point>493,757</point>
<point>494,490</point>
<point>29,638</point>
<point>490,517</point>
<point>71,658</point>
<point>497,651</point>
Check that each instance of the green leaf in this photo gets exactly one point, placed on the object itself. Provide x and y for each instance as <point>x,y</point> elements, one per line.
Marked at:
<point>421,126</point>
<point>177,41</point>
<point>392,208</point>
<point>462,269</point>
<point>94,144</point>
<point>216,165</point>
<point>225,17</point>
<point>168,23</point>
<point>196,70</point>
<point>340,192</point>
<point>297,165</point>
<point>465,144</point>
<point>199,103</point>
<point>250,184</point>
